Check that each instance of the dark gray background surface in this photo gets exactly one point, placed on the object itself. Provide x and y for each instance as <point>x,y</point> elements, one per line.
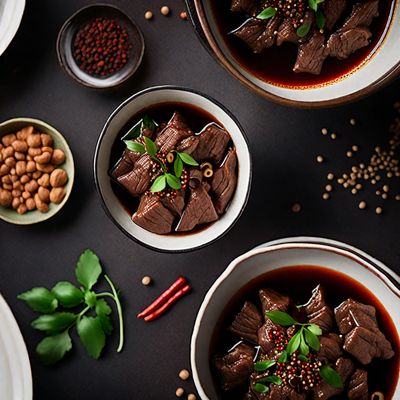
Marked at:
<point>284,144</point>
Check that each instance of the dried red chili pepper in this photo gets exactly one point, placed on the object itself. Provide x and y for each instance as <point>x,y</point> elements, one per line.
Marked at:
<point>160,311</point>
<point>159,301</point>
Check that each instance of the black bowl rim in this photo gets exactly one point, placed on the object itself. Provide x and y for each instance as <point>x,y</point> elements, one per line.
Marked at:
<point>64,64</point>
<point>100,139</point>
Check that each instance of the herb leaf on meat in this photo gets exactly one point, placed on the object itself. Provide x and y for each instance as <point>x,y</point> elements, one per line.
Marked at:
<point>281,318</point>
<point>267,13</point>
<point>260,366</point>
<point>331,376</point>
<point>135,146</point>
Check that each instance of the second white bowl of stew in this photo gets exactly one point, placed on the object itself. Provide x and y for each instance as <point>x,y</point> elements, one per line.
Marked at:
<point>173,168</point>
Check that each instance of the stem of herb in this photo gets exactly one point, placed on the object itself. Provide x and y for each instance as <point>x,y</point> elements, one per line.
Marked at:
<point>119,310</point>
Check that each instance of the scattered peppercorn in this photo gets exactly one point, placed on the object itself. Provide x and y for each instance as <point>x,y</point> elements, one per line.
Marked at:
<point>183,15</point>
<point>184,374</point>
<point>191,396</point>
<point>296,208</point>
<point>164,10</point>
<point>320,159</point>
<point>324,131</point>
<point>353,121</point>
<point>146,280</point>
<point>148,15</point>
<point>330,177</point>
<point>362,205</point>
<point>379,210</point>
<point>101,47</point>
<point>333,136</point>
<point>326,196</point>
<point>180,392</point>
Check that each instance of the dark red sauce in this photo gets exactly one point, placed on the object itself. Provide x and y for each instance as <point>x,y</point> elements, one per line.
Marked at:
<point>297,282</point>
<point>196,118</point>
<point>275,65</point>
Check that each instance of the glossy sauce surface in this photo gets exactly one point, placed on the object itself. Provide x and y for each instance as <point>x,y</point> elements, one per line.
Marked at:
<point>297,282</point>
<point>275,65</point>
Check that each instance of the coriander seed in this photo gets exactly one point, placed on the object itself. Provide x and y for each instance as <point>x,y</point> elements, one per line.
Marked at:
<point>146,280</point>
<point>333,136</point>
<point>324,131</point>
<point>354,148</point>
<point>320,159</point>
<point>164,10</point>
<point>184,374</point>
<point>362,205</point>
<point>183,15</point>
<point>148,15</point>
<point>191,396</point>
<point>353,121</point>
<point>180,392</point>
<point>296,208</point>
<point>330,177</point>
<point>349,154</point>
<point>329,188</point>
<point>326,196</point>
<point>378,210</point>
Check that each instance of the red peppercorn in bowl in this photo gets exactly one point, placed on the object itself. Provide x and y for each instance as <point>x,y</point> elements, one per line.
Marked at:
<point>100,46</point>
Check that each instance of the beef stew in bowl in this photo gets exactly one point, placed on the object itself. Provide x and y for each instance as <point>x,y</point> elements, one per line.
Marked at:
<point>222,176</point>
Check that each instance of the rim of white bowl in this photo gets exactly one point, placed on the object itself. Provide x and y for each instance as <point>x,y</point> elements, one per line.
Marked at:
<point>247,176</point>
<point>266,248</point>
<point>15,11</point>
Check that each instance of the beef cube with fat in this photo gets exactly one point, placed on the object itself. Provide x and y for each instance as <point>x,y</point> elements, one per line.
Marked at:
<point>333,10</point>
<point>236,367</point>
<point>247,322</point>
<point>273,301</point>
<point>330,347</point>
<point>188,145</point>
<point>358,385</point>
<point>362,14</point>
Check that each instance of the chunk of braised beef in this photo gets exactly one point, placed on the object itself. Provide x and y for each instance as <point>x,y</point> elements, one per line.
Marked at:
<point>324,391</point>
<point>199,210</point>
<point>286,33</point>
<point>235,367</point>
<point>284,392</point>
<point>267,335</point>
<point>344,43</point>
<point>350,314</point>
<point>138,180</point>
<point>153,216</point>
<point>224,180</point>
<point>362,14</point>
<point>333,10</point>
<point>212,143</point>
<point>258,34</point>
<point>175,203</point>
<point>188,145</point>
<point>330,347</point>
<point>174,132</point>
<point>365,345</point>
<point>273,301</point>
<point>317,310</point>
<point>248,7</point>
<point>311,54</point>
<point>247,322</point>
<point>358,385</point>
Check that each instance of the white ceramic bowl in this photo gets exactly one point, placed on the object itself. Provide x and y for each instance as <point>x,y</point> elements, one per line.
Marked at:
<point>380,67</point>
<point>11,12</point>
<point>113,207</point>
<point>382,282</point>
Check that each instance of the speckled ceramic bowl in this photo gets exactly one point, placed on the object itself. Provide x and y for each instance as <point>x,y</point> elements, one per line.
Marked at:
<point>33,217</point>
<point>380,67</point>
<point>318,252</point>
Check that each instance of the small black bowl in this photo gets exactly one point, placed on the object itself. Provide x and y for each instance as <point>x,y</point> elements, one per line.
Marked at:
<point>75,23</point>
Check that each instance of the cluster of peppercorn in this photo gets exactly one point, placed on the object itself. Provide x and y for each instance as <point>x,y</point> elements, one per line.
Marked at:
<point>293,9</point>
<point>101,47</point>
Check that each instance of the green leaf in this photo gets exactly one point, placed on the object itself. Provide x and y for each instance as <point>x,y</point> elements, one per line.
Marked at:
<point>88,269</point>
<point>67,294</point>
<point>277,380</point>
<point>90,298</point>
<point>188,159</point>
<point>106,324</point>
<point>151,147</point>
<point>303,348</point>
<point>331,376</point>
<point>53,348</point>
<point>315,329</point>
<point>312,340</point>
<point>313,4</point>
<point>260,388</point>
<point>54,323</point>
<point>268,12</point>
<point>92,335</point>
<point>320,19</point>
<point>294,343</point>
<point>135,146</point>
<point>39,299</point>
<point>173,181</point>
<point>178,166</point>
<point>149,123</point>
<point>303,30</point>
<point>102,307</point>
<point>281,318</point>
<point>302,357</point>
<point>260,366</point>
<point>283,357</point>
<point>159,184</point>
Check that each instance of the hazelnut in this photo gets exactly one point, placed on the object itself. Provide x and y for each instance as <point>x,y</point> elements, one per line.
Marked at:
<point>33,152</point>
<point>24,179</point>
<point>30,166</point>
<point>5,198</point>
<point>31,186</point>
<point>8,139</point>
<point>34,140</point>
<point>19,156</point>
<point>10,162</point>
<point>44,180</point>
<point>30,203</point>
<point>22,209</point>
<point>57,195</point>
<point>20,146</point>
<point>8,152</point>
<point>26,195</point>
<point>20,168</point>
<point>58,178</point>
<point>4,170</point>
<point>42,207</point>
<point>44,194</point>
<point>15,203</point>
<point>58,157</point>
<point>46,139</point>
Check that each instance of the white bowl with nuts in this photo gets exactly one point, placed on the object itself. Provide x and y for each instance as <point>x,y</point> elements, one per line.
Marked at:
<point>36,171</point>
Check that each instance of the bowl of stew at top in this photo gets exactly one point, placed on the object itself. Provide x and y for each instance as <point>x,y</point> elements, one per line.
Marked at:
<point>173,168</point>
<point>304,53</point>
<point>299,321</point>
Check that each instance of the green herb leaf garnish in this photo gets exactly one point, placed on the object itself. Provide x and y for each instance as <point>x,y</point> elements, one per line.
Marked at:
<point>311,339</point>
<point>303,30</point>
<point>91,329</point>
<point>320,19</point>
<point>331,376</point>
<point>159,184</point>
<point>151,147</point>
<point>277,380</point>
<point>187,159</point>
<point>260,366</point>
<point>173,181</point>
<point>303,348</point>
<point>315,329</point>
<point>294,343</point>
<point>283,357</point>
<point>281,318</point>
<point>178,166</point>
<point>302,357</point>
<point>135,146</point>
<point>260,388</point>
<point>267,13</point>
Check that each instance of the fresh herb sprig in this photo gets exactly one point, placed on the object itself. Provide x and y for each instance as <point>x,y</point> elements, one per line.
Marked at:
<point>260,384</point>
<point>93,322</point>
<point>303,340</point>
<point>167,178</point>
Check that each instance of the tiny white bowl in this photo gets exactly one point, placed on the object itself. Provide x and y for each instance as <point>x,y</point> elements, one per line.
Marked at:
<point>11,12</point>
<point>112,205</point>
<point>380,280</point>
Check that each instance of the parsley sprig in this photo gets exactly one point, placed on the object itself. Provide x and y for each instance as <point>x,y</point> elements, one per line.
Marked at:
<point>92,322</point>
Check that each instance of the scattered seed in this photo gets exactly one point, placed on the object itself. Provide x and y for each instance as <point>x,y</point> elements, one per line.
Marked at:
<point>354,147</point>
<point>324,131</point>
<point>320,159</point>
<point>146,280</point>
<point>362,205</point>
<point>180,392</point>
<point>183,15</point>
<point>329,188</point>
<point>379,210</point>
<point>326,196</point>
<point>359,186</point>
<point>333,136</point>
<point>378,192</point>
<point>164,10</point>
<point>191,396</point>
<point>386,188</point>
<point>184,374</point>
<point>296,208</point>
<point>349,154</point>
<point>354,191</point>
<point>353,121</point>
<point>397,197</point>
<point>330,177</point>
<point>148,15</point>
<point>385,196</point>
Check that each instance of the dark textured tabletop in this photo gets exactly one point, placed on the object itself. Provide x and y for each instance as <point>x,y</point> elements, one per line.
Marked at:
<point>284,144</point>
